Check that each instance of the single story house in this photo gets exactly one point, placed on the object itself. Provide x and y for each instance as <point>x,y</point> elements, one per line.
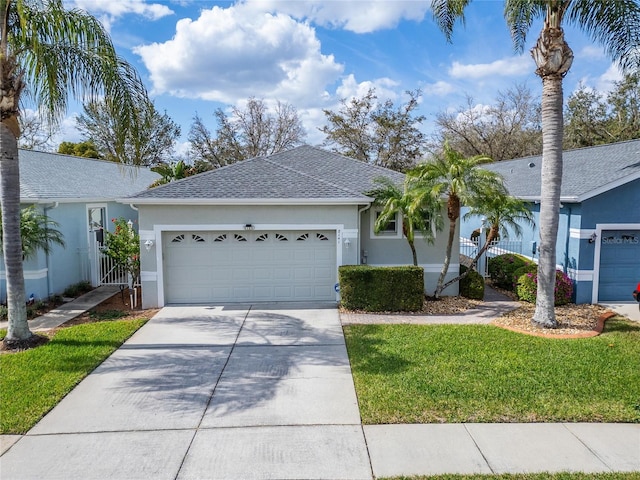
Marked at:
<point>272,228</point>
<point>599,231</point>
<point>79,194</point>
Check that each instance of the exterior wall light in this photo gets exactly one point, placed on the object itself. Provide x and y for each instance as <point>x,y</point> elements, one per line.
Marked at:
<point>593,237</point>
<point>148,245</point>
<point>248,226</point>
<point>347,243</point>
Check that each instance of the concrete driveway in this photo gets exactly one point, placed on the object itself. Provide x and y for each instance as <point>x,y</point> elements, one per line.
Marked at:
<point>209,392</point>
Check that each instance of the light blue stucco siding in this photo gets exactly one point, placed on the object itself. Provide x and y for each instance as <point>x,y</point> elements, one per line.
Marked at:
<point>386,249</point>
<point>66,265</point>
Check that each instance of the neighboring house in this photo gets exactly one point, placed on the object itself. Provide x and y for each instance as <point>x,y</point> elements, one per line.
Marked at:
<point>599,231</point>
<point>269,229</point>
<point>79,194</point>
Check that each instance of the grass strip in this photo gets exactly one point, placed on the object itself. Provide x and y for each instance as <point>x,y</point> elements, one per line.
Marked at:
<point>34,381</point>
<point>481,373</point>
<point>531,476</point>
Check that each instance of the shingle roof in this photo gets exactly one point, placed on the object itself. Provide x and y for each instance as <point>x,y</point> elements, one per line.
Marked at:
<point>301,174</point>
<point>51,176</point>
<point>586,171</point>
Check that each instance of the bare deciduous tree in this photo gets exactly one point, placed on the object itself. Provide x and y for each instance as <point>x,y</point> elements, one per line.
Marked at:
<point>246,133</point>
<point>377,133</point>
<point>509,128</point>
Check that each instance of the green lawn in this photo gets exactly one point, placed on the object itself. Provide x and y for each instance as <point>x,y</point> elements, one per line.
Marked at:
<point>533,476</point>
<point>34,381</point>
<point>481,373</point>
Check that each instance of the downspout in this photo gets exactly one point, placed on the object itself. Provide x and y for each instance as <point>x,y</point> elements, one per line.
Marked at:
<point>566,245</point>
<point>46,258</point>
<point>360,212</point>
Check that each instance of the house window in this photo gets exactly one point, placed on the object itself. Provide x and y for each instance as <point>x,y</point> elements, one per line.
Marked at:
<point>178,238</point>
<point>281,238</point>
<point>197,238</point>
<point>221,238</point>
<point>262,237</point>
<point>390,228</point>
<point>239,238</point>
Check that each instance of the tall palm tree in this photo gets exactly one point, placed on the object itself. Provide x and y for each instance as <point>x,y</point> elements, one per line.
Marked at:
<point>417,214</point>
<point>37,231</point>
<point>614,24</point>
<point>459,179</point>
<point>48,53</point>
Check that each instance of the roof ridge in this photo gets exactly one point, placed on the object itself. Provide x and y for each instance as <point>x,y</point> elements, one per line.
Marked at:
<point>305,174</point>
<point>355,160</point>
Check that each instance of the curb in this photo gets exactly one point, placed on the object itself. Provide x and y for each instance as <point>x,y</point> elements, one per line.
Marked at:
<point>593,333</point>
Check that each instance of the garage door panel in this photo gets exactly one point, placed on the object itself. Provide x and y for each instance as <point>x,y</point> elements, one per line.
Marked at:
<point>249,266</point>
<point>619,264</point>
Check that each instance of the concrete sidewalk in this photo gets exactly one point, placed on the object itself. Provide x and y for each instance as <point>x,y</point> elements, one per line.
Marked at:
<point>70,310</point>
<point>257,393</point>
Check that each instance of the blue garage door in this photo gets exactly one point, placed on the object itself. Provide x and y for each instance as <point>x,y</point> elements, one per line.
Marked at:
<point>619,265</point>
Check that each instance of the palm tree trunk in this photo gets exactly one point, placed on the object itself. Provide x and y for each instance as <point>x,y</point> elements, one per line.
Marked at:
<point>413,252</point>
<point>12,245</point>
<point>549,199</point>
<point>553,59</point>
<point>447,258</point>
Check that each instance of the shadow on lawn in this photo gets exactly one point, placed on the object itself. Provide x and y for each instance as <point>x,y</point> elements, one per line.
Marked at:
<point>370,354</point>
<point>622,326</point>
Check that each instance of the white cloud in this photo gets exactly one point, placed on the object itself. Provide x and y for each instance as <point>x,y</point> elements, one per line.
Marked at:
<point>355,16</point>
<point>233,53</point>
<point>439,88</point>
<point>604,83</point>
<point>117,8</point>
<point>591,52</point>
<point>350,88</point>
<point>507,67</point>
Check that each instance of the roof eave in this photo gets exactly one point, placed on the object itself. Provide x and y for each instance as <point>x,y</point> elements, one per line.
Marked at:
<point>246,201</point>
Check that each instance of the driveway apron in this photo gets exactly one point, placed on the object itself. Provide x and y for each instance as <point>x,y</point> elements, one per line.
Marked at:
<point>205,392</point>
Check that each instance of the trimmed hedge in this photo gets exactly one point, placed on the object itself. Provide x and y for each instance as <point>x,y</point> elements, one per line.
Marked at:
<point>503,267</point>
<point>471,286</point>
<point>381,289</point>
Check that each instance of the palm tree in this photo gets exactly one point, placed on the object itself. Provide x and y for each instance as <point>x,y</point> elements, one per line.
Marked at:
<point>37,231</point>
<point>417,214</point>
<point>459,179</point>
<point>49,52</point>
<point>613,24</point>
<point>171,172</point>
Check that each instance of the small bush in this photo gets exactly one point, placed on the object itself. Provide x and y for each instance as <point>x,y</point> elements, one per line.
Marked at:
<point>529,268</point>
<point>107,314</point>
<point>471,286</point>
<point>4,313</point>
<point>77,289</point>
<point>527,288</point>
<point>381,289</point>
<point>502,268</point>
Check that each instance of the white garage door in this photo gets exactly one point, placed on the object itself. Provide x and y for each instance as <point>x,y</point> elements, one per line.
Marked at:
<point>249,266</point>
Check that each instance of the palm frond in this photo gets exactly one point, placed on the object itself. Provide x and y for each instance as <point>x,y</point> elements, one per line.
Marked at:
<point>614,24</point>
<point>66,52</point>
<point>447,12</point>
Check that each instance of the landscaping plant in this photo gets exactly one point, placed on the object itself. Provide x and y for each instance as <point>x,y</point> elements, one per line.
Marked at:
<point>527,288</point>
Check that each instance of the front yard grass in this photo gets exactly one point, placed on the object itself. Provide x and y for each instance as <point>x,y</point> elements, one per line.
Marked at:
<point>532,476</point>
<point>32,382</point>
<point>481,373</point>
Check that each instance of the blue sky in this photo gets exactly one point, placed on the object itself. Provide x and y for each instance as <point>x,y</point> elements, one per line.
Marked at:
<point>198,55</point>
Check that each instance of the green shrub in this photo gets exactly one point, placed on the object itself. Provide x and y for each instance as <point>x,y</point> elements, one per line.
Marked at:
<point>77,289</point>
<point>4,313</point>
<point>381,289</point>
<point>471,286</point>
<point>502,268</point>
<point>527,288</point>
<point>529,268</point>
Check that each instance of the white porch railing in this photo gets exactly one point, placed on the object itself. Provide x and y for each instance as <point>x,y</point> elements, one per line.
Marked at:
<point>104,270</point>
<point>469,248</point>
